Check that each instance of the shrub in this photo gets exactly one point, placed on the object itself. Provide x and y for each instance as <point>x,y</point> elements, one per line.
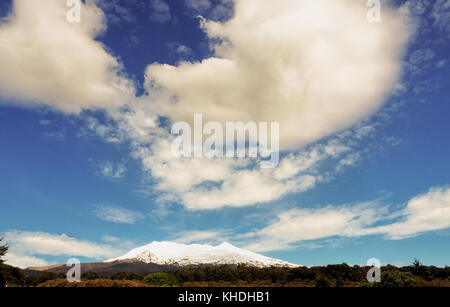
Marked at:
<point>98,283</point>
<point>92,276</point>
<point>127,276</point>
<point>11,275</point>
<point>43,277</point>
<point>161,279</point>
<point>365,285</point>
<point>323,282</point>
<point>396,279</point>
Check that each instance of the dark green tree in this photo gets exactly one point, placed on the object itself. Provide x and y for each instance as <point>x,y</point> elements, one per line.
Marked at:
<point>12,275</point>
<point>3,251</point>
<point>161,279</point>
<point>397,279</point>
<point>416,263</point>
<point>323,282</point>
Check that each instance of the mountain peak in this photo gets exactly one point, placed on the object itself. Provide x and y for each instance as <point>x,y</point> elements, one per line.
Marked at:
<point>227,245</point>
<point>173,253</point>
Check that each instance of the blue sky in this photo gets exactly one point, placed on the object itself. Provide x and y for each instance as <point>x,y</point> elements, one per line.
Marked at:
<point>83,171</point>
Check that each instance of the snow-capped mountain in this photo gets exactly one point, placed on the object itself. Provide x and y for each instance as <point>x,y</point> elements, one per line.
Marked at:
<point>170,253</point>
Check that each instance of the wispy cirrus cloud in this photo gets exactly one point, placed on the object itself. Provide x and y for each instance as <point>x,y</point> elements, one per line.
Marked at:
<point>160,11</point>
<point>119,12</point>
<point>424,213</point>
<point>116,214</point>
<point>317,227</point>
<point>237,183</point>
<point>181,52</point>
<point>441,15</point>
<point>111,170</point>
<point>213,9</point>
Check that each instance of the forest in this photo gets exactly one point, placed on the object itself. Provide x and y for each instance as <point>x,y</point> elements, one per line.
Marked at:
<point>339,275</point>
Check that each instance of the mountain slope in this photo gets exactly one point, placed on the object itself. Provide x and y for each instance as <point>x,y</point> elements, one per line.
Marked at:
<point>164,256</point>
<point>176,254</point>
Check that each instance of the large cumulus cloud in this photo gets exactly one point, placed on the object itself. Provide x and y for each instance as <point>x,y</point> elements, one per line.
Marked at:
<point>314,66</point>
<point>46,60</point>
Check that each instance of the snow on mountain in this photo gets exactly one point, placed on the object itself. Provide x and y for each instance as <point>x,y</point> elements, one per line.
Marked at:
<point>171,253</point>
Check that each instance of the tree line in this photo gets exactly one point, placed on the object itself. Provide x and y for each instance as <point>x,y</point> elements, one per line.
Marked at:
<point>325,276</point>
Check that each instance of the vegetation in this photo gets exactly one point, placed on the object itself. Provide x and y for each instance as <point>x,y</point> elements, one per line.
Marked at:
<point>323,282</point>
<point>161,279</point>
<point>3,251</point>
<point>97,283</point>
<point>342,275</point>
<point>393,279</point>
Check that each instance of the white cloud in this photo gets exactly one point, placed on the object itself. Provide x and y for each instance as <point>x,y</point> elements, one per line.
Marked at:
<point>315,66</point>
<point>417,7</point>
<point>117,13</point>
<point>206,184</point>
<point>112,170</point>
<point>441,15</point>
<point>45,60</point>
<point>24,245</point>
<point>244,188</point>
<point>421,56</point>
<point>199,5</point>
<point>23,261</point>
<point>183,52</point>
<point>211,184</point>
<point>426,212</point>
<point>160,11</point>
<point>423,213</point>
<point>212,9</point>
<point>298,225</point>
<point>441,64</point>
<point>349,160</point>
<point>117,214</point>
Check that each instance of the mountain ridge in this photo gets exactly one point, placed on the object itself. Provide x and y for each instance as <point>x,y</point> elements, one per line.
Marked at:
<point>173,253</point>
<point>165,255</point>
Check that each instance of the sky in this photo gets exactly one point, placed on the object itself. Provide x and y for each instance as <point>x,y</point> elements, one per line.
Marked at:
<point>86,111</point>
